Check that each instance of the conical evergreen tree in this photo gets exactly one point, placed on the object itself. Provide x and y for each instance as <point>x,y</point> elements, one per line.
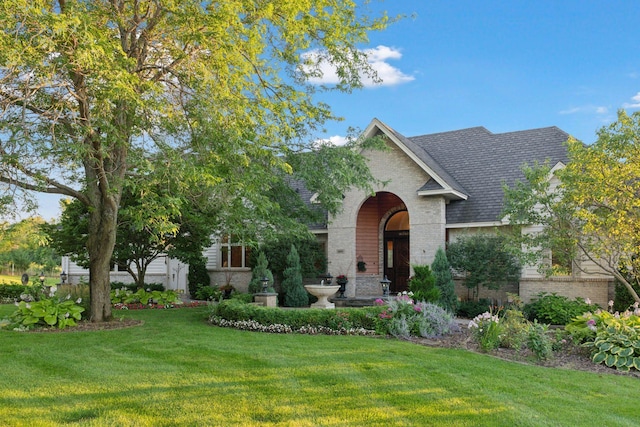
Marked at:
<point>260,271</point>
<point>423,284</point>
<point>295,295</point>
<point>444,281</point>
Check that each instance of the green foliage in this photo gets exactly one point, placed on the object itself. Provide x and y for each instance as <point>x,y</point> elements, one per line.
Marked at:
<point>258,272</point>
<point>198,276</point>
<point>313,261</point>
<point>347,318</point>
<point>514,330</point>
<point>141,296</point>
<point>79,292</point>
<point>241,296</point>
<point>120,118</point>
<point>538,341</point>
<point>593,211</point>
<point>470,309</point>
<point>403,317</point>
<point>617,338</point>
<point>486,330</point>
<point>484,261</point>
<point>208,293</point>
<point>556,309</point>
<point>10,292</point>
<point>444,281</point>
<point>47,312</point>
<point>24,247</point>
<point>295,294</point>
<point>423,285</point>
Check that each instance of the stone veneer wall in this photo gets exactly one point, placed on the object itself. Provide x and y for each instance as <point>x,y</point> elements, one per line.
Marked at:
<point>367,286</point>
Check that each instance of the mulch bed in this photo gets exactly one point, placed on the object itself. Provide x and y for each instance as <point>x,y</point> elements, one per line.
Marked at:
<point>572,357</point>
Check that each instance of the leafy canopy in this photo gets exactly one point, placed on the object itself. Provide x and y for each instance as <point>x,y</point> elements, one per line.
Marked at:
<point>593,214</point>
<point>96,93</point>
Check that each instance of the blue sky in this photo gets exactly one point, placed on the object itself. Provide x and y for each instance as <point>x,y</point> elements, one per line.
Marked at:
<point>505,65</point>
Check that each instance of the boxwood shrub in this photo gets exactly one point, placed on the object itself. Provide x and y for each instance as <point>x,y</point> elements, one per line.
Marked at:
<point>11,292</point>
<point>556,309</point>
<point>347,318</point>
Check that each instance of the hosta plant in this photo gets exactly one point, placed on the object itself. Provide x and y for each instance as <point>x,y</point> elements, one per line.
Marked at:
<point>617,340</point>
<point>46,312</point>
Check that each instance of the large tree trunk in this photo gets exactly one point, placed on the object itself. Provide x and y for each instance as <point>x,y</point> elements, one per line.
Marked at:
<point>100,246</point>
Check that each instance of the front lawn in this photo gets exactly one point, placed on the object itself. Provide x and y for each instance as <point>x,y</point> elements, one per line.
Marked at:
<point>177,370</point>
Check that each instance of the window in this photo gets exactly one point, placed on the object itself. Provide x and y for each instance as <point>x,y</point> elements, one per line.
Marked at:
<point>561,264</point>
<point>233,254</point>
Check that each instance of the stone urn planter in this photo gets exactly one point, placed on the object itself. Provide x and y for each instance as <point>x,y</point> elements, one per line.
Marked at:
<point>322,292</point>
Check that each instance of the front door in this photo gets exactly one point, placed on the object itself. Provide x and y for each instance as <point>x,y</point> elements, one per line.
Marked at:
<point>396,259</point>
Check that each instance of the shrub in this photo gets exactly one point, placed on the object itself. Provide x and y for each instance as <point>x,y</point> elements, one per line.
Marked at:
<point>539,341</point>
<point>197,276</point>
<point>11,292</point>
<point>233,312</point>
<point>403,318</point>
<point>556,309</point>
<point>259,272</point>
<point>484,261</point>
<point>313,261</point>
<point>295,295</point>
<point>423,284</point>
<point>244,297</point>
<point>444,281</point>
<point>208,293</point>
<point>470,309</point>
<point>514,330</point>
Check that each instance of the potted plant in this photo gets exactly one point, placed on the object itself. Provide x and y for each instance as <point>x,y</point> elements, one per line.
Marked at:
<point>342,281</point>
<point>226,290</point>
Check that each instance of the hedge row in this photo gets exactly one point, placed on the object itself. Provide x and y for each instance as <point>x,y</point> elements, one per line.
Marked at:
<point>10,292</point>
<point>347,318</point>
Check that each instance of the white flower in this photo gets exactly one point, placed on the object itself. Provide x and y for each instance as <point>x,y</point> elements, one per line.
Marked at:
<point>610,303</point>
<point>68,296</point>
<point>79,300</point>
<point>588,301</point>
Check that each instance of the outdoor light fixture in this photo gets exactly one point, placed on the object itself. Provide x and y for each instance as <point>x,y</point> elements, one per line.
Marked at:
<point>385,286</point>
<point>265,284</point>
<point>63,277</point>
<point>42,278</point>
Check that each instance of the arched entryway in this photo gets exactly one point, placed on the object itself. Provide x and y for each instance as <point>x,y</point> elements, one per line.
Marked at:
<point>382,244</point>
<point>397,266</point>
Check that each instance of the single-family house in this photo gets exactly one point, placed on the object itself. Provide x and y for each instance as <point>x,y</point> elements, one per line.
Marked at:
<point>433,188</point>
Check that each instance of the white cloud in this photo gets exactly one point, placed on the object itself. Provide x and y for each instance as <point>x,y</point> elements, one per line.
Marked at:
<point>635,103</point>
<point>588,109</point>
<point>333,140</point>
<point>378,59</point>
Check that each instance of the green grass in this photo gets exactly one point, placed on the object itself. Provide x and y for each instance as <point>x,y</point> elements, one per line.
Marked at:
<point>177,370</point>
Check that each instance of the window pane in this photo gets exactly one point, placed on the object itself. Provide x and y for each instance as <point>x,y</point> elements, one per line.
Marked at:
<point>236,256</point>
<point>224,256</point>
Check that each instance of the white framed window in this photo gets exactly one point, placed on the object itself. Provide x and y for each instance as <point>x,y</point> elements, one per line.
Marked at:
<point>233,254</point>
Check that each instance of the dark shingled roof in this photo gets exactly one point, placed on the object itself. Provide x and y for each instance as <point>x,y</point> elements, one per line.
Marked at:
<point>477,162</point>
